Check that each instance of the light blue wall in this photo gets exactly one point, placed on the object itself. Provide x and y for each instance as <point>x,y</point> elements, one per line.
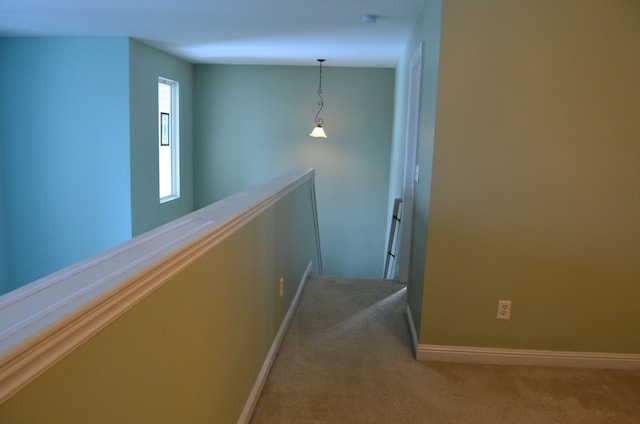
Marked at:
<point>147,64</point>
<point>4,271</point>
<point>427,31</point>
<point>252,123</point>
<point>65,135</point>
<point>80,148</point>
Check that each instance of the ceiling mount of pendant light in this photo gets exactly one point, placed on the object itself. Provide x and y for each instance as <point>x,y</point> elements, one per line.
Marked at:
<point>318,131</point>
<point>369,19</point>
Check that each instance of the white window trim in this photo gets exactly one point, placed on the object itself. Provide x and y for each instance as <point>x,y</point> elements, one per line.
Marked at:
<point>175,138</point>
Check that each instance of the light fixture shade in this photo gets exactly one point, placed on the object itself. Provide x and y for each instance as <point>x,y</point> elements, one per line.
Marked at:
<point>318,131</point>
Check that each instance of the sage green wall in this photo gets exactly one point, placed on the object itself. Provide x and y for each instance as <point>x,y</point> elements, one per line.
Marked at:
<point>425,35</point>
<point>252,123</point>
<point>146,65</point>
<point>535,177</point>
<point>191,351</point>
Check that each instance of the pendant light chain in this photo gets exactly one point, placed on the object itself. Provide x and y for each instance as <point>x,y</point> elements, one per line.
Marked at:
<point>320,121</point>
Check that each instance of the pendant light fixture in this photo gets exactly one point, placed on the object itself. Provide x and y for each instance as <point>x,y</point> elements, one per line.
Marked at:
<point>318,131</point>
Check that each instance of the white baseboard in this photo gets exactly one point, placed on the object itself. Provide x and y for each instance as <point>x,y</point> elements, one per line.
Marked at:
<point>525,357</point>
<point>250,405</point>
<point>412,331</point>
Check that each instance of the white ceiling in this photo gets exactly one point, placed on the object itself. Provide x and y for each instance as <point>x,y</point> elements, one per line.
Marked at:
<point>281,32</point>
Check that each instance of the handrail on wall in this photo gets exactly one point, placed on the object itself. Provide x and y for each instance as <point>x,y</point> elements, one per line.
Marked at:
<point>45,320</point>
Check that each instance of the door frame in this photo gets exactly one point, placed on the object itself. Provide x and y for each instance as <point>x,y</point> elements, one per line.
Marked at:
<point>411,171</point>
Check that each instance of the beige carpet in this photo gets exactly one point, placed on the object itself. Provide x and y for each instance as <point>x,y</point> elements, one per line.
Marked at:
<point>347,359</point>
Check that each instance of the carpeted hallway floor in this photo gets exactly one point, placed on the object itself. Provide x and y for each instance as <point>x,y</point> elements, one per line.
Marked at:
<point>347,359</point>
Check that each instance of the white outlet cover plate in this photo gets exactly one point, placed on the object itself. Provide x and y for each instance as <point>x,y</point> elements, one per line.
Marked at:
<point>504,309</point>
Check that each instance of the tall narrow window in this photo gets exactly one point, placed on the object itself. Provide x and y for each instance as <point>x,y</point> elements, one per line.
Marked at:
<point>168,140</point>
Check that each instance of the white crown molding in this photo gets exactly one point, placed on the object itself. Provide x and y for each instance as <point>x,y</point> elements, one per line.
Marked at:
<point>250,405</point>
<point>45,320</point>
<point>526,357</point>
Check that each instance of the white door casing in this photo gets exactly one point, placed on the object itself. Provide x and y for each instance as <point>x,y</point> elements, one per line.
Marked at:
<point>411,172</point>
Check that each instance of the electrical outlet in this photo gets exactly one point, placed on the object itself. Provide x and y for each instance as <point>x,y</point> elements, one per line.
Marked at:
<point>281,286</point>
<point>504,309</point>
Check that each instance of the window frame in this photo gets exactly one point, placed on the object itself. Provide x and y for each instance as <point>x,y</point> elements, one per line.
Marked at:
<point>174,140</point>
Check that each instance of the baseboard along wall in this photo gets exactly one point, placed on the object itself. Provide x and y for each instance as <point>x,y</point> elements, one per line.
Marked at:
<point>250,405</point>
<point>520,357</point>
<point>412,330</point>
